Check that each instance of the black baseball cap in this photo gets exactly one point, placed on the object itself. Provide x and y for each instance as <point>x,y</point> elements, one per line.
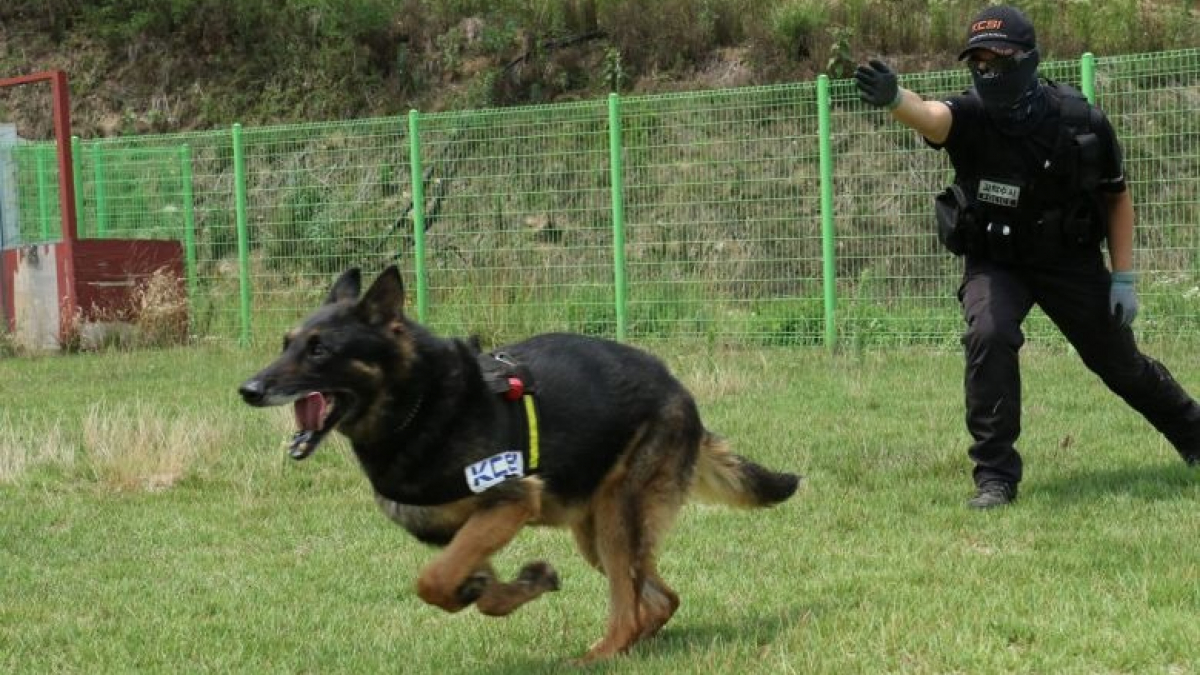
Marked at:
<point>1000,27</point>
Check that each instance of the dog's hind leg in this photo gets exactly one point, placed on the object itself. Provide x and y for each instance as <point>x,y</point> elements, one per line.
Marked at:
<point>664,466</point>
<point>640,603</point>
<point>461,573</point>
<point>632,511</point>
<point>657,606</point>
<point>657,603</point>
<point>662,498</point>
<point>614,544</point>
<point>585,540</point>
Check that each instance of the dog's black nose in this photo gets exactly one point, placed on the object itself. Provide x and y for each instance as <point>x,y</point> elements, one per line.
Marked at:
<point>252,391</point>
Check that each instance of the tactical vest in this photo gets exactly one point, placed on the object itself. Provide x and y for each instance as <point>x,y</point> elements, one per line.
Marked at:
<point>1019,217</point>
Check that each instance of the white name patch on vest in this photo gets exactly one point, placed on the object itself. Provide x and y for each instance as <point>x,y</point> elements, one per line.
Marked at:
<point>490,472</point>
<point>1000,194</point>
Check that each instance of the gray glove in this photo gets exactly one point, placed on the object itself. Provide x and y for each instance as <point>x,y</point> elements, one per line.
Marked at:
<point>1122,298</point>
<point>877,84</point>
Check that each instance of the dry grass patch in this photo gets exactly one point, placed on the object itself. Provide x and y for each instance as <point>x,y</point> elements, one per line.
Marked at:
<point>710,378</point>
<point>22,448</point>
<point>141,449</point>
<point>161,306</point>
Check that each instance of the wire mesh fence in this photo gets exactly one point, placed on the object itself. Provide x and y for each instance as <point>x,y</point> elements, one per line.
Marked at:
<point>518,220</point>
<point>722,192</point>
<point>700,218</point>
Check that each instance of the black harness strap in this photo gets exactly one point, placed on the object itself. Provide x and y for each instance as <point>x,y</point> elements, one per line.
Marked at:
<point>506,377</point>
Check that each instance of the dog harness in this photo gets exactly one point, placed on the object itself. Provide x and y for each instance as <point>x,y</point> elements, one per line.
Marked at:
<point>520,457</point>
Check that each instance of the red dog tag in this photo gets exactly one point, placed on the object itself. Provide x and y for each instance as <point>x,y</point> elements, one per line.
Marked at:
<point>516,389</point>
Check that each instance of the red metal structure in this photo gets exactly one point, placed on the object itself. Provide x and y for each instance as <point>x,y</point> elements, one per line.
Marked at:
<point>47,290</point>
<point>66,191</point>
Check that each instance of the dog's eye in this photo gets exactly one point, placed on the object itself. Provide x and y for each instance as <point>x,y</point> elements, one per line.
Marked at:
<point>317,350</point>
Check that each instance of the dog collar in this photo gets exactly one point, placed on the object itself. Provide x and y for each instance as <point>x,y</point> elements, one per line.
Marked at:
<point>412,414</point>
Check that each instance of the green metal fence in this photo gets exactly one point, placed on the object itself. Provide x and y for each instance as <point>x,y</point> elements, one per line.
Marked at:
<point>782,215</point>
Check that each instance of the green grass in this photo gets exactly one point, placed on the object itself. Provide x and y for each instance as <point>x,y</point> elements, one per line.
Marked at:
<point>151,523</point>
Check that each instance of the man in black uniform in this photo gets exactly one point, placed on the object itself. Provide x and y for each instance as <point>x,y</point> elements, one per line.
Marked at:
<point>1039,185</point>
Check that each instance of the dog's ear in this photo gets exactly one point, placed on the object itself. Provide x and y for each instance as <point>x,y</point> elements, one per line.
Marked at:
<point>347,286</point>
<point>384,301</point>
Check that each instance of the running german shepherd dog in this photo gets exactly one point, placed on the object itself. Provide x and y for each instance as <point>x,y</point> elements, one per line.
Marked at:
<point>464,449</point>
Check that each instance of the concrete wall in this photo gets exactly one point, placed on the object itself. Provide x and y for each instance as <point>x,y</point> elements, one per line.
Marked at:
<point>35,295</point>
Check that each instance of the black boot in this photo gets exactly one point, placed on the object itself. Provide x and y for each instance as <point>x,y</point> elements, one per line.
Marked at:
<point>993,493</point>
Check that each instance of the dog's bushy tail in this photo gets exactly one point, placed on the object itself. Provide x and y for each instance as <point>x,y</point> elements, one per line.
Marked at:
<point>725,478</point>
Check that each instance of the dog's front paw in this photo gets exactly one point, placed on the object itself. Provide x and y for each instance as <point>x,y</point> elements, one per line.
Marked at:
<point>473,587</point>
<point>540,575</point>
<point>534,579</point>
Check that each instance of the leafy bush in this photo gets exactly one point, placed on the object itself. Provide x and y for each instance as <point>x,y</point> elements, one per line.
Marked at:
<point>796,23</point>
<point>657,36</point>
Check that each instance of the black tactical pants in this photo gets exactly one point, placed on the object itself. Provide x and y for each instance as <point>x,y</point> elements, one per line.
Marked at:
<point>1074,294</point>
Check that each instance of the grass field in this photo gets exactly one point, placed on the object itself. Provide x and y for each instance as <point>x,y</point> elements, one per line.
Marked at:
<point>149,522</point>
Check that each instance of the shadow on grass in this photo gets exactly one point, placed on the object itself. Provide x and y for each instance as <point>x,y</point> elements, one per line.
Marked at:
<point>675,640</point>
<point>1149,482</point>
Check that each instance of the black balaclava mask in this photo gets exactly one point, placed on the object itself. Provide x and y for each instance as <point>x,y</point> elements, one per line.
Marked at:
<point>1014,100</point>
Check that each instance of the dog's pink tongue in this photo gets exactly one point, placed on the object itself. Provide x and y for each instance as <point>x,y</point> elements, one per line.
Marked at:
<point>310,411</point>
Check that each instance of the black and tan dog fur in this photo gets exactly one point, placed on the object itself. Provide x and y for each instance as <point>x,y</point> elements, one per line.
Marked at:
<point>622,449</point>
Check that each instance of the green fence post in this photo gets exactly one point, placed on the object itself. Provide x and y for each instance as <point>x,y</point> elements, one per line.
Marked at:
<point>617,185</point>
<point>418,210</point>
<point>189,221</point>
<point>1087,76</point>
<point>828,245</point>
<point>77,173</point>
<point>43,194</point>
<point>100,192</point>
<point>243,232</point>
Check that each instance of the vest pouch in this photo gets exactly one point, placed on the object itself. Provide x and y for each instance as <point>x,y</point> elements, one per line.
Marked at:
<point>1087,149</point>
<point>955,220</point>
<point>1086,222</point>
<point>1081,224</point>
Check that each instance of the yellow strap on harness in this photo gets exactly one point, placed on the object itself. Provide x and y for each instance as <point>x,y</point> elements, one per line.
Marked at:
<point>531,419</point>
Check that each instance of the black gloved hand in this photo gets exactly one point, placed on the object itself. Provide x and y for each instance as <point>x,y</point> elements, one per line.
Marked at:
<point>877,84</point>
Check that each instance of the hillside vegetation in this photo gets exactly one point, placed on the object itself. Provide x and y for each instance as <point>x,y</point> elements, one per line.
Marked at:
<point>142,66</point>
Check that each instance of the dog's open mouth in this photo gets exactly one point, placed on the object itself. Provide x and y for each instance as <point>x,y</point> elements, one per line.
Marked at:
<point>316,415</point>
